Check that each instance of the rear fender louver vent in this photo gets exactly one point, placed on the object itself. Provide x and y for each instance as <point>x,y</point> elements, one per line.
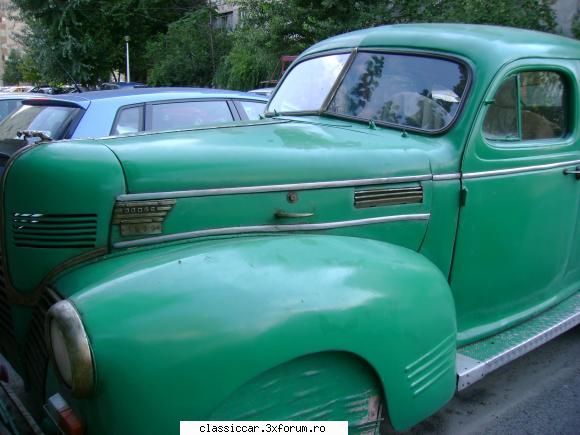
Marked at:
<point>37,230</point>
<point>390,196</point>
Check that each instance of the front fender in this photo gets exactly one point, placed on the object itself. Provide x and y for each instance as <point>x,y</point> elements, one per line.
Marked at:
<point>175,330</point>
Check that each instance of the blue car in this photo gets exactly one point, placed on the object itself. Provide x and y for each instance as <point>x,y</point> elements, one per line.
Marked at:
<point>10,101</point>
<point>126,111</point>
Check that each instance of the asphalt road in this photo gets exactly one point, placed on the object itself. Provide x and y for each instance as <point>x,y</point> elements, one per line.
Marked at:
<point>537,394</point>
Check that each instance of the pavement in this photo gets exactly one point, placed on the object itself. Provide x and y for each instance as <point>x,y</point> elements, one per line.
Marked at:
<point>537,394</point>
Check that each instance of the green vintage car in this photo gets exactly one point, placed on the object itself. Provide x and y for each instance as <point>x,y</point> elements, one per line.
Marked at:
<point>403,222</point>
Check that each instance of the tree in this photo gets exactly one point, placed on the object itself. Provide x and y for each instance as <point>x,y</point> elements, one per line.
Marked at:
<point>576,26</point>
<point>85,38</point>
<point>189,52</point>
<point>12,74</point>
<point>275,27</point>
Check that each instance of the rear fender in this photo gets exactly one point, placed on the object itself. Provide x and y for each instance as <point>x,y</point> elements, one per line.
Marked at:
<point>176,330</point>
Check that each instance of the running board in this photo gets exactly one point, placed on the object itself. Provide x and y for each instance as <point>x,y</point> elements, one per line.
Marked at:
<point>477,360</point>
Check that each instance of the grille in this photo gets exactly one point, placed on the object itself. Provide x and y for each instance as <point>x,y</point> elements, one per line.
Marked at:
<point>35,351</point>
<point>394,196</point>
<point>7,341</point>
<point>37,230</point>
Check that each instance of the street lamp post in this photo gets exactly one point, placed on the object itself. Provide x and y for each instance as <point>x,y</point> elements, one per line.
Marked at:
<point>128,74</point>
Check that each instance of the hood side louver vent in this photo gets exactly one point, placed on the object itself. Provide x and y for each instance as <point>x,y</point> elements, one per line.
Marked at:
<point>37,230</point>
<point>390,196</point>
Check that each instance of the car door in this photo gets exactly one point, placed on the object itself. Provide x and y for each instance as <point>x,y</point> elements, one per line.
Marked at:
<point>518,219</point>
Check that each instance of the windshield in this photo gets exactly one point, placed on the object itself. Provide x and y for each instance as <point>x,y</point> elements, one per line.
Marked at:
<point>308,84</point>
<point>52,120</point>
<point>409,91</point>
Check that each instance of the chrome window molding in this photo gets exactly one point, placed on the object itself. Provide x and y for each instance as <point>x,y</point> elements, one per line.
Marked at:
<point>509,171</point>
<point>323,110</point>
<point>271,229</point>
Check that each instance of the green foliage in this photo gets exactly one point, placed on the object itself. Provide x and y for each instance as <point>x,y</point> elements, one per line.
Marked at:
<point>172,41</point>
<point>527,14</point>
<point>276,27</point>
<point>189,53</point>
<point>29,70</point>
<point>248,61</point>
<point>85,38</point>
<point>12,74</point>
<point>576,26</point>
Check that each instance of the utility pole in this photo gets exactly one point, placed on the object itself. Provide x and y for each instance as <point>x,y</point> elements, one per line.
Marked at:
<point>128,73</point>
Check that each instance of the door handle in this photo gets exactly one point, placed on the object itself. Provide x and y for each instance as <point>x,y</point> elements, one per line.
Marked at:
<point>281,214</point>
<point>575,171</point>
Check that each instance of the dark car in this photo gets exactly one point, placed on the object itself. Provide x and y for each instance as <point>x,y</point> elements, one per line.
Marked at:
<point>120,85</point>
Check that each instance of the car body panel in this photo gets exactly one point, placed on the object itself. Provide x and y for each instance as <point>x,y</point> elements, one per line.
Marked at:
<point>360,284</point>
<point>523,266</point>
<point>263,254</point>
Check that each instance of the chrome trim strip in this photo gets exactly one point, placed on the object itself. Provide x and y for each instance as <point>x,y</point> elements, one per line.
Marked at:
<point>470,370</point>
<point>271,229</point>
<point>509,171</point>
<point>335,184</point>
<point>445,177</point>
<point>271,188</point>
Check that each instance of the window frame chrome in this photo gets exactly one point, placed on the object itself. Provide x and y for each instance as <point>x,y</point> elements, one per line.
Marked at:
<point>340,78</point>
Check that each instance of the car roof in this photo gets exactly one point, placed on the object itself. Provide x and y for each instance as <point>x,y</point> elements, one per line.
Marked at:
<point>141,95</point>
<point>19,95</point>
<point>494,45</point>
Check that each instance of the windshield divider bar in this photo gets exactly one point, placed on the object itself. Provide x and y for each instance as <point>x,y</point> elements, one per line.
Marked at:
<point>338,81</point>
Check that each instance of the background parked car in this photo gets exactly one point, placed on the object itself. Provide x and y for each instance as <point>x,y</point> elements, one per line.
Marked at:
<point>10,101</point>
<point>123,111</point>
<point>266,92</point>
<point>120,85</point>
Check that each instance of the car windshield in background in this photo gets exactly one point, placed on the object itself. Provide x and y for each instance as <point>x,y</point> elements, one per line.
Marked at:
<point>408,91</point>
<point>51,120</point>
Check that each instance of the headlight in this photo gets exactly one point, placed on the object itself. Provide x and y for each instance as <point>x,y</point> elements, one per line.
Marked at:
<point>69,348</point>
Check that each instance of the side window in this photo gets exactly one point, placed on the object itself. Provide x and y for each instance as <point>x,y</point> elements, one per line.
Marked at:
<point>129,120</point>
<point>528,106</point>
<point>183,115</point>
<point>253,109</point>
<point>543,100</point>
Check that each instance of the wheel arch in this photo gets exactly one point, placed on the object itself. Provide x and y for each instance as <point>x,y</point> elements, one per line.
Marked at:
<point>214,315</point>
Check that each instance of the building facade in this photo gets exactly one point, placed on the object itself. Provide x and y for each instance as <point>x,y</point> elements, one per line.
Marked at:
<point>10,27</point>
<point>566,10</point>
<point>228,14</point>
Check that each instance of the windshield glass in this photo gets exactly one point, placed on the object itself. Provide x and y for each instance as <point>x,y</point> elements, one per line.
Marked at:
<point>409,91</point>
<point>308,84</point>
<point>52,120</point>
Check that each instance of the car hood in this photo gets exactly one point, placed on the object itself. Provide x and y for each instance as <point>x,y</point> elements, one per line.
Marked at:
<point>278,151</point>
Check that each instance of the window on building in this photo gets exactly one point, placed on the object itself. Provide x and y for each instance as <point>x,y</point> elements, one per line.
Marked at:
<point>224,21</point>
